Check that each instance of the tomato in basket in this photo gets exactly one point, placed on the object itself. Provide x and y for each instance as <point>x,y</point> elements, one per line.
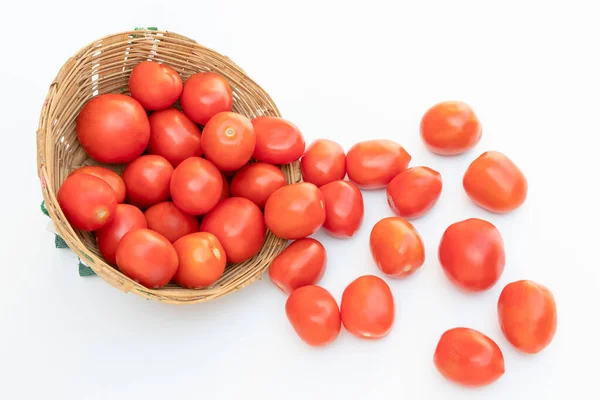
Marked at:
<point>257,181</point>
<point>372,164</point>
<point>278,141</point>
<point>204,95</point>
<point>323,162</point>
<point>147,180</point>
<point>170,221</point>
<point>127,218</point>
<point>228,140</point>
<point>301,263</point>
<point>196,186</point>
<point>174,136</point>
<point>202,260</point>
<point>155,85</point>
<point>111,177</point>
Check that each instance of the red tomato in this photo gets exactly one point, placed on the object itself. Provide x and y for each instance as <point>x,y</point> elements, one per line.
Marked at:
<point>171,222</point>
<point>372,164</point>
<point>527,315</point>
<point>344,208</point>
<point>239,226</point>
<point>324,161</point>
<point>257,181</point>
<point>228,140</point>
<point>396,247</point>
<point>205,94</point>
<point>202,260</point>
<point>495,183</point>
<point>147,179</point>
<point>295,211</point>
<point>156,86</point>
<point>111,177</point>
<point>368,309</point>
<point>314,314</point>
<point>127,218</point>
<point>113,128</point>
<point>196,186</point>
<point>412,193</point>
<point>301,263</point>
<point>147,257</point>
<point>174,136</point>
<point>468,357</point>
<point>450,128</point>
<point>88,202</point>
<point>472,254</point>
<point>278,141</point>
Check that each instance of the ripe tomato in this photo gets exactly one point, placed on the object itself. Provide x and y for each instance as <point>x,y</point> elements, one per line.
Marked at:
<point>257,181</point>
<point>472,254</point>
<point>171,222</point>
<point>147,179</point>
<point>301,263</point>
<point>450,128</point>
<point>196,186</point>
<point>314,314</point>
<point>495,183</point>
<point>202,260</point>
<point>127,218</point>
<point>468,357</point>
<point>295,211</point>
<point>527,315</point>
<point>324,161</point>
<point>174,136</point>
<point>412,193</point>
<point>278,141</point>
<point>240,227</point>
<point>111,177</point>
<point>156,86</point>
<point>372,164</point>
<point>344,208</point>
<point>396,247</point>
<point>87,201</point>
<point>147,257</point>
<point>228,140</point>
<point>204,95</point>
<point>368,309</point>
<point>113,128</point>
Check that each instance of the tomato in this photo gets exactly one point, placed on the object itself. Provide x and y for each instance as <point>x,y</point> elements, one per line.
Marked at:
<point>156,86</point>
<point>147,179</point>
<point>295,211</point>
<point>396,247</point>
<point>527,315</point>
<point>88,202</point>
<point>127,218</point>
<point>171,222</point>
<point>113,128</point>
<point>450,128</point>
<point>495,183</point>
<point>323,162</point>
<point>196,186</point>
<point>278,141</point>
<point>468,357</point>
<point>412,193</point>
<point>205,94</point>
<point>301,263</point>
<point>372,164</point>
<point>344,208</point>
<point>472,254</point>
<point>257,181</point>
<point>147,257</point>
<point>228,140</point>
<point>174,136</point>
<point>240,227</point>
<point>314,315</point>
<point>367,308</point>
<point>202,260</point>
<point>111,177</point>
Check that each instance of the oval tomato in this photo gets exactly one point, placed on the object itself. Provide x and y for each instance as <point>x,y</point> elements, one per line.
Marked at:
<point>205,94</point>
<point>278,141</point>
<point>228,140</point>
<point>202,260</point>
<point>156,86</point>
<point>171,222</point>
<point>127,218</point>
<point>257,181</point>
<point>196,186</point>
<point>344,208</point>
<point>412,193</point>
<point>174,136</point>
<point>323,162</point>
<point>147,179</point>
<point>301,263</point>
<point>372,164</point>
<point>111,177</point>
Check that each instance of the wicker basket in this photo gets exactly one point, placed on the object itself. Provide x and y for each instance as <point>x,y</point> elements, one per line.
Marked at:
<point>102,67</point>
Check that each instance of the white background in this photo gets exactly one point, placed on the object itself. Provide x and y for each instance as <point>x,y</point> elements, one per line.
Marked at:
<point>348,71</point>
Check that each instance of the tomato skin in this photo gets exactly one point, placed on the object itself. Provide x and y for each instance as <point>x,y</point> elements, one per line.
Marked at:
<point>174,136</point>
<point>240,227</point>
<point>257,181</point>
<point>413,192</point>
<point>156,86</point>
<point>372,164</point>
<point>301,263</point>
<point>196,186</point>
<point>202,260</point>
<point>323,162</point>
<point>344,208</point>
<point>314,315</point>
<point>295,211</point>
<point>472,254</point>
<point>468,357</point>
<point>113,128</point>
<point>278,141</point>
<point>204,95</point>
<point>127,218</point>
<point>450,128</point>
<point>495,183</point>
<point>171,222</point>
<point>527,315</point>
<point>228,140</point>
<point>111,177</point>
<point>147,180</point>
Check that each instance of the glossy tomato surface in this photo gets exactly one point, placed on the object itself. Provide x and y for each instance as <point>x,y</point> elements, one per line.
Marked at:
<point>196,186</point>
<point>278,141</point>
<point>344,208</point>
<point>413,192</point>
<point>174,136</point>
<point>228,140</point>
<point>155,85</point>
<point>109,176</point>
<point>202,260</point>
<point>147,180</point>
<point>257,181</point>
<point>372,164</point>
<point>127,218</point>
<point>323,162</point>
<point>302,263</point>
<point>170,221</point>
<point>204,95</point>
